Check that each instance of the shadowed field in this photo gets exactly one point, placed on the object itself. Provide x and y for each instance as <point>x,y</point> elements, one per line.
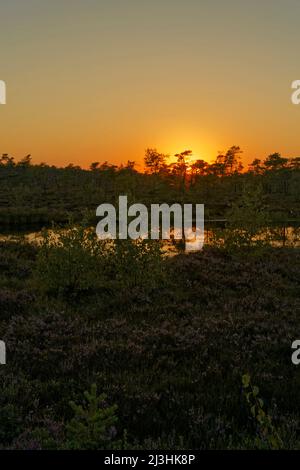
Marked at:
<point>169,347</point>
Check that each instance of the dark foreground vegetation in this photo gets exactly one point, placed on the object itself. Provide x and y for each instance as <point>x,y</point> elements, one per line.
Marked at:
<point>191,352</point>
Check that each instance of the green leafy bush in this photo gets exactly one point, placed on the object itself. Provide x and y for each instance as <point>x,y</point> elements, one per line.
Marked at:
<point>71,261</point>
<point>74,260</point>
<point>93,424</point>
<point>267,435</point>
<point>137,264</point>
<point>247,223</point>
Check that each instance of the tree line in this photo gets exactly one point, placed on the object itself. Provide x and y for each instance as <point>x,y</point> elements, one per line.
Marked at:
<point>54,192</point>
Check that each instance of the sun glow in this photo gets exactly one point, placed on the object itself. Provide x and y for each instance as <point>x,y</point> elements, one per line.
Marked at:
<point>177,142</point>
<point>189,159</point>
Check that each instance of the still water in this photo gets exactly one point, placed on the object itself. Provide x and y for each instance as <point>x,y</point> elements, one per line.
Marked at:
<point>281,236</point>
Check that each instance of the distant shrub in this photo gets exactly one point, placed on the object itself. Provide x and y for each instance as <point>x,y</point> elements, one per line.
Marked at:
<point>74,260</point>
<point>247,224</point>
<point>137,264</point>
<point>71,261</point>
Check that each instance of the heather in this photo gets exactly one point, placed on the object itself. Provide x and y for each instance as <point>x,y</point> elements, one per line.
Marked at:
<point>119,347</point>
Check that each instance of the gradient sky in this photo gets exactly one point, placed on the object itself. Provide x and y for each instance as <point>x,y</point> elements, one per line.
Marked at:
<point>95,80</point>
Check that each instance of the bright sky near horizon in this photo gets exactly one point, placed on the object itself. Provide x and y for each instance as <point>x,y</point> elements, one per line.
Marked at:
<point>96,80</point>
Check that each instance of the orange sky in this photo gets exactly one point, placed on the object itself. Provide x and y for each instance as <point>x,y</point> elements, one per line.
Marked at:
<point>95,80</point>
